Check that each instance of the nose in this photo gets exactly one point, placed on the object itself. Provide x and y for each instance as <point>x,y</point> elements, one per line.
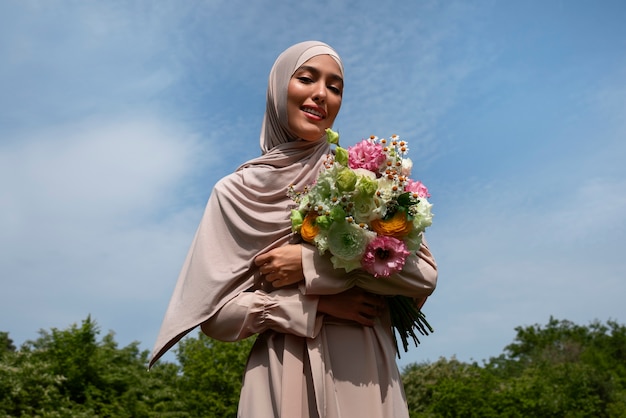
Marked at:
<point>319,95</point>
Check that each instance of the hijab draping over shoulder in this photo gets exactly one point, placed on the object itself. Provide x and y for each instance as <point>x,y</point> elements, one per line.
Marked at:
<point>248,211</point>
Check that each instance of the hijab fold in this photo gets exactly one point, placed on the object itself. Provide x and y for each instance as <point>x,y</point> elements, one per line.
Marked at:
<point>248,211</point>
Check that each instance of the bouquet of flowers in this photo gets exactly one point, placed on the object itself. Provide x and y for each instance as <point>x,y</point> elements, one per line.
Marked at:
<point>366,211</point>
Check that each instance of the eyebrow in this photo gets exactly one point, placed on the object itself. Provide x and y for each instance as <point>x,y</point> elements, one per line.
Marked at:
<point>316,71</point>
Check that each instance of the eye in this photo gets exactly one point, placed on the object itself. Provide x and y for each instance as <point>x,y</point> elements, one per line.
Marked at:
<point>335,89</point>
<point>305,79</point>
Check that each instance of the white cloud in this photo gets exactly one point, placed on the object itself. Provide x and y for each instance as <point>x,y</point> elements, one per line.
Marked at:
<point>597,207</point>
<point>91,216</point>
<point>90,170</point>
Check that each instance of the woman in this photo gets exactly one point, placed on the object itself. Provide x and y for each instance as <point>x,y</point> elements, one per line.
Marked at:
<point>325,345</point>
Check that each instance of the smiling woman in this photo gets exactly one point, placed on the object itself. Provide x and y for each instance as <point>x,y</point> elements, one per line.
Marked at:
<point>325,346</point>
<point>314,97</point>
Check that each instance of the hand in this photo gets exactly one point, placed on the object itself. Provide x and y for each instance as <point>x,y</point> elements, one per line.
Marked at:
<point>354,304</point>
<point>281,266</point>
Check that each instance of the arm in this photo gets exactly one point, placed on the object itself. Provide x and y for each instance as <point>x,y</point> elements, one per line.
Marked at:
<point>289,311</point>
<point>418,278</point>
<point>284,310</point>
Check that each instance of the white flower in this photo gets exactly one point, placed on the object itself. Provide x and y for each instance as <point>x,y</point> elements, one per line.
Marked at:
<point>385,189</point>
<point>365,173</point>
<point>365,209</point>
<point>423,216</point>
<point>407,166</point>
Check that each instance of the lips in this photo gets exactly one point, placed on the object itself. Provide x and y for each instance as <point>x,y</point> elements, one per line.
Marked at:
<point>315,111</point>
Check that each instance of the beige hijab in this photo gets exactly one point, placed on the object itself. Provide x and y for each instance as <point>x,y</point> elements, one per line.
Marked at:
<point>248,211</point>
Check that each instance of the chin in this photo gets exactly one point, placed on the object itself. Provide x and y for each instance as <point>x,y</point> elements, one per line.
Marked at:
<point>311,138</point>
<point>309,133</point>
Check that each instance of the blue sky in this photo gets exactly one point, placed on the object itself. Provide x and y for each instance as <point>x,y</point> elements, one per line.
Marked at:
<point>116,118</point>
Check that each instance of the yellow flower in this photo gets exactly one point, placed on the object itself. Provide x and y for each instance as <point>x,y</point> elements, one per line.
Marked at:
<point>397,226</point>
<point>309,229</point>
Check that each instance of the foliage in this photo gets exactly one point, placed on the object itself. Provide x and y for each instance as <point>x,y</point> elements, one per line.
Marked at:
<point>6,344</point>
<point>562,369</point>
<point>68,373</point>
<point>212,374</point>
<point>443,388</point>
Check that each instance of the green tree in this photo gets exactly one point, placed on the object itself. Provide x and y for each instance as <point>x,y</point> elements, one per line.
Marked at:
<point>6,344</point>
<point>565,368</point>
<point>562,369</point>
<point>72,373</point>
<point>448,388</point>
<point>69,373</point>
<point>212,373</point>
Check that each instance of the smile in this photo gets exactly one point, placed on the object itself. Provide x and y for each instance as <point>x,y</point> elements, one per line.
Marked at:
<point>313,112</point>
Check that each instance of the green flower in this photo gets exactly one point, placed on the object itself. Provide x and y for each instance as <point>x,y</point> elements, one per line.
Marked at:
<point>366,187</point>
<point>347,241</point>
<point>341,156</point>
<point>348,265</point>
<point>324,187</point>
<point>346,180</point>
<point>303,206</point>
<point>296,220</point>
<point>321,242</point>
<point>332,137</point>
<point>413,240</point>
<point>337,214</point>
<point>324,221</point>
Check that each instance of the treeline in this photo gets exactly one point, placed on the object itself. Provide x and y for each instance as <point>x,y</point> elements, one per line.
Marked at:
<point>558,370</point>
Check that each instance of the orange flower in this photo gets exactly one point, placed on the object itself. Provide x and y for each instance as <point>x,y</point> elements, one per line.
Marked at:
<point>309,229</point>
<point>397,226</point>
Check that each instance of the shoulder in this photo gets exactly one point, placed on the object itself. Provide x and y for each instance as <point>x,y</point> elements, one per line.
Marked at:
<point>244,180</point>
<point>231,181</point>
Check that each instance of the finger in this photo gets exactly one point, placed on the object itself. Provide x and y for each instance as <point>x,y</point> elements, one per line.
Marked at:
<point>272,276</point>
<point>376,301</point>
<point>364,320</point>
<point>283,280</point>
<point>277,275</point>
<point>279,282</point>
<point>266,268</point>
<point>370,311</point>
<point>379,306</point>
<point>262,259</point>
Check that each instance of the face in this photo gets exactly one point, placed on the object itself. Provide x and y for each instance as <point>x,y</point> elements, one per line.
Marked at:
<point>314,97</point>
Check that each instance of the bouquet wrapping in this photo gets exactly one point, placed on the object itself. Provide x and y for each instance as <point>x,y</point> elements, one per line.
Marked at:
<point>366,211</point>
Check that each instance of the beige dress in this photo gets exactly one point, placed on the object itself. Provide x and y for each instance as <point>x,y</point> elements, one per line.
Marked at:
<point>305,364</point>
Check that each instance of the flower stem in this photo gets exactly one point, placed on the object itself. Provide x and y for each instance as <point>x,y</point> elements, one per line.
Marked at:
<point>406,318</point>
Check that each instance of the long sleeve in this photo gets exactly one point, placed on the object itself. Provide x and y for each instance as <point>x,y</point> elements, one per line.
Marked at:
<point>284,310</point>
<point>417,279</point>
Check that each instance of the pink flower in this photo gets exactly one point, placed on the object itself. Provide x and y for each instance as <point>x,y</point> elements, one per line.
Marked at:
<point>417,187</point>
<point>367,155</point>
<point>384,256</point>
